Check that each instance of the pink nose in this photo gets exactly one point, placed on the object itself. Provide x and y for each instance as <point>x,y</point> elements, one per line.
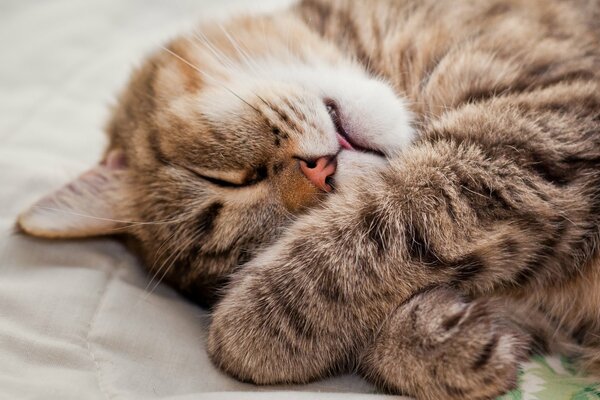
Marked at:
<point>318,171</point>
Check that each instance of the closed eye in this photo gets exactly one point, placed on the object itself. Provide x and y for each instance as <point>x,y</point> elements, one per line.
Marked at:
<point>216,181</point>
<point>259,175</point>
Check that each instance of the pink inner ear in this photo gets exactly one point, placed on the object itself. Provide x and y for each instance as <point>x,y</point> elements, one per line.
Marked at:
<point>115,159</point>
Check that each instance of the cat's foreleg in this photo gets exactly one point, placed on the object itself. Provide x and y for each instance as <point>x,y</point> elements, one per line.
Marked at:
<point>439,345</point>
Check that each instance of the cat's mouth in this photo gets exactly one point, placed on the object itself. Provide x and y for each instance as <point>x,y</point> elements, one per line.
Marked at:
<point>343,136</point>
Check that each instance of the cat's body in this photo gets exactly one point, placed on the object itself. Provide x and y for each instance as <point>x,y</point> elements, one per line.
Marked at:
<point>491,189</point>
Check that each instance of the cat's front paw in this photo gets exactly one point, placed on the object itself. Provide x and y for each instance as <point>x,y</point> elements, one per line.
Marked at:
<point>262,333</point>
<point>440,346</point>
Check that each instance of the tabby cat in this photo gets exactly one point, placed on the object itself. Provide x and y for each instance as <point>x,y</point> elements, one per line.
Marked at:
<point>411,187</point>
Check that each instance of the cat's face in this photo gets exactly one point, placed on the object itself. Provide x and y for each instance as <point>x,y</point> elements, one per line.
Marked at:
<point>226,140</point>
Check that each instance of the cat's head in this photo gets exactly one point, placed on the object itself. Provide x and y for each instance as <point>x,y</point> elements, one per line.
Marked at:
<point>219,140</point>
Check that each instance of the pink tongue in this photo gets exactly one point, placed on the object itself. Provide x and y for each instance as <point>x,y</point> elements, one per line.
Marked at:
<point>343,142</point>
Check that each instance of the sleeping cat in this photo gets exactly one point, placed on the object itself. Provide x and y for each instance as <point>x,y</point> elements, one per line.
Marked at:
<point>410,190</point>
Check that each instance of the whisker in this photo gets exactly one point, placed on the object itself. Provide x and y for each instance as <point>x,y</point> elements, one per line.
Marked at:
<point>168,244</point>
<point>173,256</point>
<point>158,254</point>
<point>172,259</point>
<point>203,73</point>
<point>159,270</point>
<point>129,223</point>
<point>222,57</point>
<point>238,47</point>
<point>263,100</point>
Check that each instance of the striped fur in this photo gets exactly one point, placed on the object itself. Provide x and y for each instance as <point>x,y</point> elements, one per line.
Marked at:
<point>432,272</point>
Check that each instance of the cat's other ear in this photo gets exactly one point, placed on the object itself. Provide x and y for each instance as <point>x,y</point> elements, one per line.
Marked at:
<point>90,205</point>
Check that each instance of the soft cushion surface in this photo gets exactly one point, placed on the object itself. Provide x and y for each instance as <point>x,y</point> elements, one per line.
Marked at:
<point>81,319</point>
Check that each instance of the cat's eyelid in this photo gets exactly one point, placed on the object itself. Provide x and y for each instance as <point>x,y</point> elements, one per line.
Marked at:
<point>232,179</point>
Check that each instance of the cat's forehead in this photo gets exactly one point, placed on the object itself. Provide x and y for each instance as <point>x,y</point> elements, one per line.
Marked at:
<point>221,129</point>
<point>225,119</point>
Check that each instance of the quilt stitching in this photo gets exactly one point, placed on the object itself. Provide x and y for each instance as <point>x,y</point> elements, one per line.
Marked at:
<point>99,375</point>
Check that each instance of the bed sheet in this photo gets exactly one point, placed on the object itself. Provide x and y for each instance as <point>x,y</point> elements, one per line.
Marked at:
<point>80,319</point>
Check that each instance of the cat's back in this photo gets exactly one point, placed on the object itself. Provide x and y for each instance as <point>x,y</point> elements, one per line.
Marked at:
<point>443,54</point>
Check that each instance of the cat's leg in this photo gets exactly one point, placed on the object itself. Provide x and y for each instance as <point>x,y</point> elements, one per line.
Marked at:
<point>438,345</point>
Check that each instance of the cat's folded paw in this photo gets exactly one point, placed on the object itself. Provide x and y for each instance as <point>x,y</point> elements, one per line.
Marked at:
<point>258,334</point>
<point>439,345</point>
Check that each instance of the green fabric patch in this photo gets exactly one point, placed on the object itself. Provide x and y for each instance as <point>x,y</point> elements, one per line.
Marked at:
<point>552,378</point>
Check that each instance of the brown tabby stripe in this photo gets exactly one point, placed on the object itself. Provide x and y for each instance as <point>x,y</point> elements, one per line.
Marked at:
<point>154,145</point>
<point>318,13</point>
<point>205,292</point>
<point>454,391</point>
<point>414,317</point>
<point>293,109</point>
<point>351,33</point>
<point>375,226</point>
<point>539,343</point>
<point>484,357</point>
<point>451,322</point>
<point>285,120</point>
<point>277,168</point>
<point>419,248</point>
<point>467,267</point>
<point>326,283</point>
<point>581,331</point>
<point>540,258</point>
<point>206,220</point>
<point>291,311</point>
<point>277,333</point>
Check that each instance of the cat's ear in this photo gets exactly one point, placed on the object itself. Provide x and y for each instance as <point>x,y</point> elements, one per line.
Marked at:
<point>90,205</point>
